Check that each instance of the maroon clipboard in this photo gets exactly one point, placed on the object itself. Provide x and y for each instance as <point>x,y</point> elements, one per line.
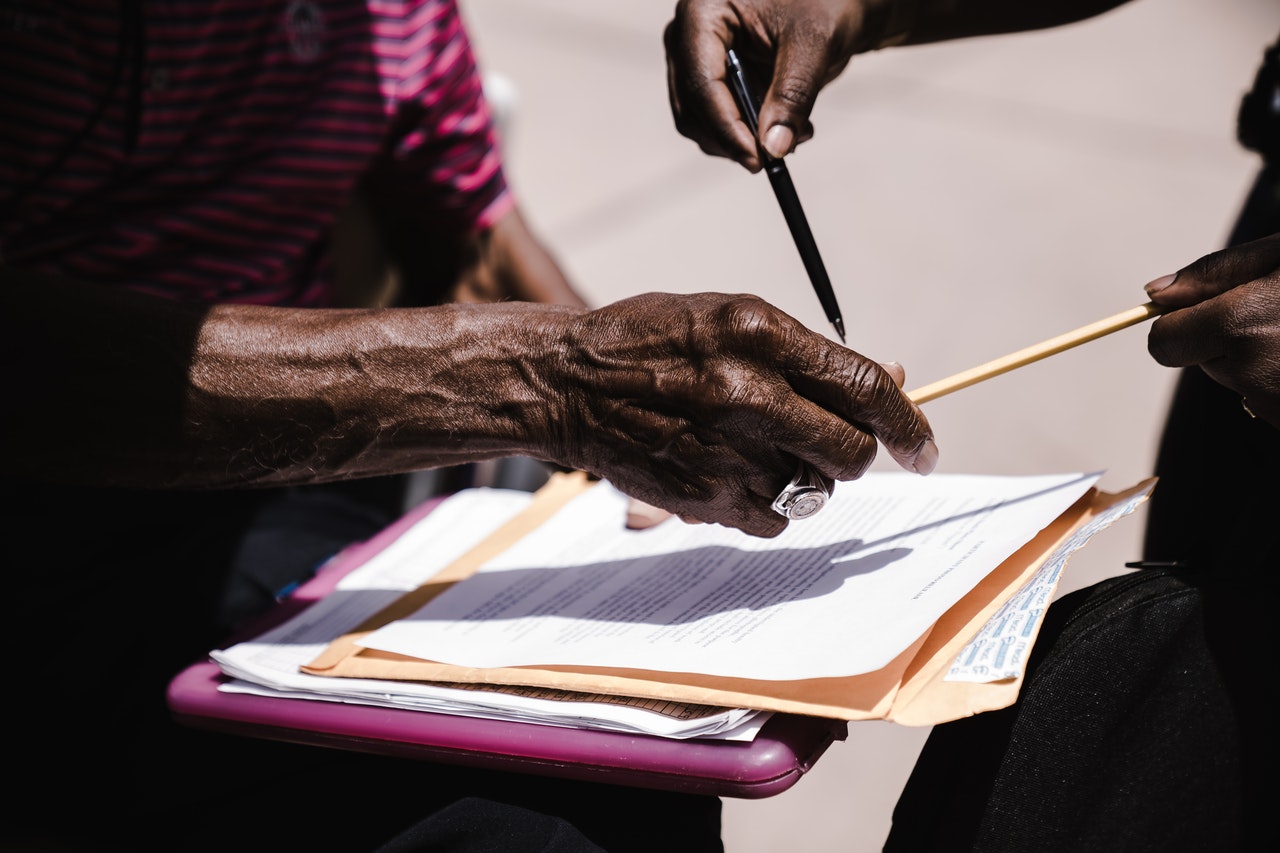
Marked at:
<point>782,752</point>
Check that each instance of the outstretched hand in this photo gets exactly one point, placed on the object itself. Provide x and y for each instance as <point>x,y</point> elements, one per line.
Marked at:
<point>790,51</point>
<point>1227,321</point>
<point>703,405</point>
<point>642,516</point>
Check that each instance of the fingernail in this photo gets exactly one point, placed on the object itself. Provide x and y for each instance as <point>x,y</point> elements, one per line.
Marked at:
<point>895,370</point>
<point>927,458</point>
<point>1160,284</point>
<point>641,516</point>
<point>778,140</point>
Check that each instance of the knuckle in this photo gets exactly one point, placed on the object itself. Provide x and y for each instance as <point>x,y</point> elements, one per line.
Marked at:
<point>871,382</point>
<point>858,451</point>
<point>1216,266</point>
<point>752,317</point>
<point>792,94</point>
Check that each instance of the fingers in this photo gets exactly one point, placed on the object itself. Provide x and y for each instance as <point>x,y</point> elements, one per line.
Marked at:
<point>925,460</point>
<point>861,401</point>
<point>713,485</point>
<point>789,51</point>
<point>642,516</point>
<point>753,515</point>
<point>1184,338</point>
<point>798,74</point>
<point>1217,273</point>
<point>702,104</point>
<point>704,404</point>
<point>896,372</point>
<point>835,403</point>
<point>1227,300</point>
<point>1227,322</point>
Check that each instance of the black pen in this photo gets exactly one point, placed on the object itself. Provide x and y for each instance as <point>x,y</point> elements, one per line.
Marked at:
<point>785,190</point>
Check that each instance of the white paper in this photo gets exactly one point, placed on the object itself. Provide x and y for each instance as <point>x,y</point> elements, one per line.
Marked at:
<point>999,651</point>
<point>269,664</point>
<point>841,593</point>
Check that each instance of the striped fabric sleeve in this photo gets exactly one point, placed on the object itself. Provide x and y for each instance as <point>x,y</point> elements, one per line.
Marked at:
<point>445,152</point>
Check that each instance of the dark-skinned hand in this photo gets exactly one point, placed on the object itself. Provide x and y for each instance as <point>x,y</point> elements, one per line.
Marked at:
<point>789,50</point>
<point>701,405</point>
<point>1225,317</point>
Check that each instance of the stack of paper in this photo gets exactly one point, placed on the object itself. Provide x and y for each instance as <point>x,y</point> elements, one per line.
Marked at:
<point>270,664</point>
<point>907,598</point>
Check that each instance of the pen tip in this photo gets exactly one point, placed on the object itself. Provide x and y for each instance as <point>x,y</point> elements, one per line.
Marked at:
<point>839,324</point>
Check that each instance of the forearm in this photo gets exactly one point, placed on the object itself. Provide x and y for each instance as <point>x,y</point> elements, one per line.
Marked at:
<point>700,404</point>
<point>356,393</point>
<point>112,388</point>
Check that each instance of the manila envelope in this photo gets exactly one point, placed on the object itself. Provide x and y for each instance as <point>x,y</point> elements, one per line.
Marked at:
<point>910,690</point>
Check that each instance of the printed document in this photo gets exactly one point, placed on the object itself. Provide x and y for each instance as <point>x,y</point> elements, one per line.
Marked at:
<point>838,594</point>
<point>268,665</point>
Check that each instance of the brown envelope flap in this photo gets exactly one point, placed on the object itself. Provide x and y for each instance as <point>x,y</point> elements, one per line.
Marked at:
<point>876,695</point>
<point>926,699</point>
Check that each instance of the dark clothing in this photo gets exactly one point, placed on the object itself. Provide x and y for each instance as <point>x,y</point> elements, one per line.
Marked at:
<point>481,826</point>
<point>1122,739</point>
<point>1147,718</point>
<point>127,589</point>
<point>1213,509</point>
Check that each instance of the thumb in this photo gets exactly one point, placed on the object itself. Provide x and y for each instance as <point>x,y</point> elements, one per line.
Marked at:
<point>1216,273</point>
<point>895,370</point>
<point>798,75</point>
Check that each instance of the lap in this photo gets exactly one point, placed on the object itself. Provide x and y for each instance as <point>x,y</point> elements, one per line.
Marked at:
<point>121,590</point>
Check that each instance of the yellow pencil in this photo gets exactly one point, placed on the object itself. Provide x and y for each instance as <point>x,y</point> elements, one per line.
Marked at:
<point>1035,352</point>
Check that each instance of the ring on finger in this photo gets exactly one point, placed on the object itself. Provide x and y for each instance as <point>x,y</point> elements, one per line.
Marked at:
<point>803,496</point>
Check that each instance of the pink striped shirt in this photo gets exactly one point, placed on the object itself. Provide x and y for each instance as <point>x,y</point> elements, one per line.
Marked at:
<point>202,149</point>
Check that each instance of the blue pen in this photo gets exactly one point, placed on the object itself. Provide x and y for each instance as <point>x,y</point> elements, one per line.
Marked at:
<point>785,191</point>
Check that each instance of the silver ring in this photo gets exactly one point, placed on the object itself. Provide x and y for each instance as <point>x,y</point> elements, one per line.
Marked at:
<point>1244,404</point>
<point>803,496</point>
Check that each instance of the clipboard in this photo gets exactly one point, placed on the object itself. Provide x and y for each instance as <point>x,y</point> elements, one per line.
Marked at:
<point>787,746</point>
